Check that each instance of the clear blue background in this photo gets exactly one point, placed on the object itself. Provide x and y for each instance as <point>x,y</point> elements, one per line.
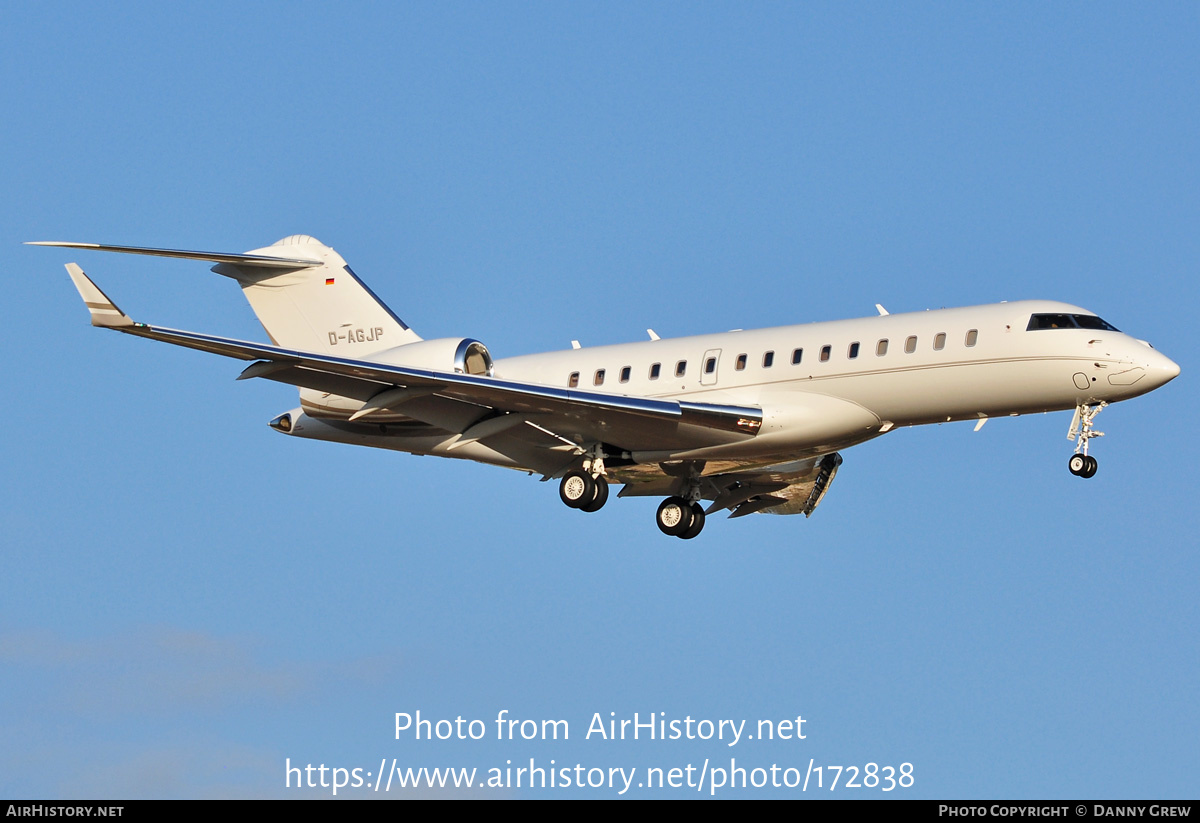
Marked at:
<point>188,598</point>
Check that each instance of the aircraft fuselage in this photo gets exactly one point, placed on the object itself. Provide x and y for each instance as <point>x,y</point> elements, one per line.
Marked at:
<point>829,385</point>
<point>750,420</point>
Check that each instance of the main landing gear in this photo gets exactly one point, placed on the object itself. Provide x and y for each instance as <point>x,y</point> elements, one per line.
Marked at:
<point>1081,463</point>
<point>580,490</point>
<point>679,518</point>
<point>676,516</point>
<point>586,489</point>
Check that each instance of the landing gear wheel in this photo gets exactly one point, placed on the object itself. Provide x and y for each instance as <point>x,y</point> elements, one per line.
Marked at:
<point>1077,464</point>
<point>599,495</point>
<point>697,523</point>
<point>675,516</point>
<point>577,489</point>
<point>1090,469</point>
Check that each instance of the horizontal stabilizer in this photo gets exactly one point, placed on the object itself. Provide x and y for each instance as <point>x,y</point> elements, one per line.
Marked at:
<point>104,311</point>
<point>249,260</point>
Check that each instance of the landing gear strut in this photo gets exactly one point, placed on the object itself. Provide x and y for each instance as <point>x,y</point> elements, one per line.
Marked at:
<point>1081,463</point>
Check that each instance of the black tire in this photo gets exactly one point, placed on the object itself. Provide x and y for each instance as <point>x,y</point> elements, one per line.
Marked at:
<point>1077,465</point>
<point>697,523</point>
<point>674,516</point>
<point>599,495</point>
<point>577,489</point>
<point>1090,469</point>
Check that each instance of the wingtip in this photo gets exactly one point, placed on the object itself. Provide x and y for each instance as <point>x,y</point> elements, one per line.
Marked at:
<point>104,311</point>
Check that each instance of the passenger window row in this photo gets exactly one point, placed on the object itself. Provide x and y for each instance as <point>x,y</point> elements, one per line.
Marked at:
<point>768,358</point>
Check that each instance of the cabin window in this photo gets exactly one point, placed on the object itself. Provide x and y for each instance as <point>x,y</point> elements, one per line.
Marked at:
<point>740,363</point>
<point>910,345</point>
<point>853,351</point>
<point>598,380</point>
<point>826,351</point>
<point>710,365</point>
<point>625,372</point>
<point>768,359</point>
<point>939,341</point>
<point>881,348</point>
<point>573,382</point>
<point>972,337</point>
<point>797,356</point>
<point>654,370</point>
<point>681,368</point>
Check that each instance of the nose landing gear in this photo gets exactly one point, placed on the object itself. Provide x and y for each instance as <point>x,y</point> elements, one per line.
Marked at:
<point>1081,463</point>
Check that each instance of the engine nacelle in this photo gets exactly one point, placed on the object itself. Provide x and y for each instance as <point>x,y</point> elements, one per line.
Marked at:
<point>461,355</point>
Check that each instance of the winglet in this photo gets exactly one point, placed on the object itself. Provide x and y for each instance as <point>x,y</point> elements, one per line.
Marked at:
<point>104,312</point>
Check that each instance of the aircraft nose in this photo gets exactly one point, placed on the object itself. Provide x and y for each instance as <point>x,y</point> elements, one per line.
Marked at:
<point>1161,368</point>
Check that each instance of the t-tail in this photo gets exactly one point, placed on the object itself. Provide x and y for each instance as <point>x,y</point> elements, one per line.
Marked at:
<point>303,293</point>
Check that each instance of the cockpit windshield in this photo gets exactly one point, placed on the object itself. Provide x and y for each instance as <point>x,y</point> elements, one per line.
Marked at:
<point>1068,321</point>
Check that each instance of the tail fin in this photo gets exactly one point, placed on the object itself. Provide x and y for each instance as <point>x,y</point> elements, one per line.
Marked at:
<point>322,307</point>
<point>304,294</point>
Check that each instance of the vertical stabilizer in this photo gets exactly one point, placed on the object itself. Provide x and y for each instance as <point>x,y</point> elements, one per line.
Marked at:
<point>322,307</point>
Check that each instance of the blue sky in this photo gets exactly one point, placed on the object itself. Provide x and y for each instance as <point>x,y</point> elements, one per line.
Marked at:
<point>190,599</point>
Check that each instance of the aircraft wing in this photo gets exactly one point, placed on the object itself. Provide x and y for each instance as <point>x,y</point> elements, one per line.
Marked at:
<point>631,423</point>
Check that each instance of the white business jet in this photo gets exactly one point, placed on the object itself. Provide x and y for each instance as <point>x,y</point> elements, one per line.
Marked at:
<point>751,421</point>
